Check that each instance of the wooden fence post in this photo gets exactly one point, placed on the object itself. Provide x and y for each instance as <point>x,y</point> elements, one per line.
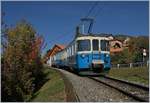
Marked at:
<point>118,65</point>
<point>130,65</point>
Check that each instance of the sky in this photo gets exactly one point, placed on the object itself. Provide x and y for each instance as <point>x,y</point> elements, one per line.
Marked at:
<point>56,20</point>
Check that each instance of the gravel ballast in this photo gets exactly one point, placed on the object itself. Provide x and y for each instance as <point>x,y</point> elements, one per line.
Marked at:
<point>88,90</point>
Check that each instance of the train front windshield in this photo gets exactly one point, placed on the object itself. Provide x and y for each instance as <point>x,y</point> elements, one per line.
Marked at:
<point>104,45</point>
<point>84,45</point>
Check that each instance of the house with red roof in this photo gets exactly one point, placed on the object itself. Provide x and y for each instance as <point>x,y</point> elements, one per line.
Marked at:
<point>116,46</point>
<point>56,48</point>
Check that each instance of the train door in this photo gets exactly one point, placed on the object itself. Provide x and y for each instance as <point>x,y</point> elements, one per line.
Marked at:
<point>97,64</point>
<point>96,50</point>
<point>84,50</point>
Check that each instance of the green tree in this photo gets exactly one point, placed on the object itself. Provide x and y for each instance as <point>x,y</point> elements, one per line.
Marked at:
<point>122,57</point>
<point>134,52</point>
<point>136,46</point>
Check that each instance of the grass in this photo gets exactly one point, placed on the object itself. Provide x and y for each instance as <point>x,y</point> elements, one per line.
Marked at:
<point>53,90</point>
<point>138,74</point>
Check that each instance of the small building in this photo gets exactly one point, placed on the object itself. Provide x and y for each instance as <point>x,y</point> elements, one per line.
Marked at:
<point>110,37</point>
<point>126,42</point>
<point>56,48</point>
<point>116,46</point>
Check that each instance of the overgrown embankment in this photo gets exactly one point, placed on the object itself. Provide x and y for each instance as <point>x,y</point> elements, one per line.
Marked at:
<point>53,90</point>
<point>138,74</point>
<point>56,89</point>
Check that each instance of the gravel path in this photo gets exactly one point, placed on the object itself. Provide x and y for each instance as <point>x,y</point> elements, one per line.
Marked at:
<point>88,90</point>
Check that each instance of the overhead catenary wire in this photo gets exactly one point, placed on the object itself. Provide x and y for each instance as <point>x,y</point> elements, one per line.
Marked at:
<point>96,4</point>
<point>62,35</point>
<point>98,12</point>
<point>89,12</point>
<point>68,33</point>
<point>90,17</point>
<point>91,9</point>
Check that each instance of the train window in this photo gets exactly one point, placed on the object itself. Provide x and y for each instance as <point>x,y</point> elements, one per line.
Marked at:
<point>67,52</point>
<point>95,44</point>
<point>104,45</point>
<point>54,58</point>
<point>72,49</point>
<point>84,45</point>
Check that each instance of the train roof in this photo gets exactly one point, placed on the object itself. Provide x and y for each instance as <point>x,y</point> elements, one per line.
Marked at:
<point>90,35</point>
<point>103,35</point>
<point>96,35</point>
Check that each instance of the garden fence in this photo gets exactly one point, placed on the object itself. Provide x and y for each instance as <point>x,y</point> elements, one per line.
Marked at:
<point>131,65</point>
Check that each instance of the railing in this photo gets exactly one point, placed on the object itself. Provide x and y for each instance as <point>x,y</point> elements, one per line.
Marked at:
<point>131,65</point>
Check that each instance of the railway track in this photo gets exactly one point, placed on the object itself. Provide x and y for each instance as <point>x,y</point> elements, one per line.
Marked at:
<point>136,91</point>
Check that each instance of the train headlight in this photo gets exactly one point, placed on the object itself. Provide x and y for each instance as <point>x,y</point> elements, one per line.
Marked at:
<point>82,55</point>
<point>107,55</point>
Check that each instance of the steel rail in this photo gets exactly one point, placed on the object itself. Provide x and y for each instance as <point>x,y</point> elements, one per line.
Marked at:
<point>138,98</point>
<point>130,83</point>
<point>121,90</point>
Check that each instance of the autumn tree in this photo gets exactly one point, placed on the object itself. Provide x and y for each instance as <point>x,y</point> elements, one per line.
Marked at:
<point>21,62</point>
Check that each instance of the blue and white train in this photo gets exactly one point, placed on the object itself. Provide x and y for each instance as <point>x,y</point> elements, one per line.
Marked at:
<point>85,53</point>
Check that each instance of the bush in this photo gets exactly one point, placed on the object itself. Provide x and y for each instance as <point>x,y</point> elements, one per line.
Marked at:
<point>122,57</point>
